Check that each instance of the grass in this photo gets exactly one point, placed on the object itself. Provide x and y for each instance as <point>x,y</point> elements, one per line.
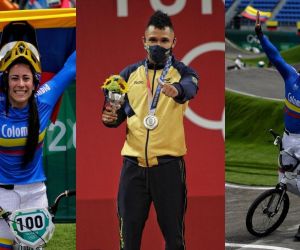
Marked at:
<point>248,119</point>
<point>291,56</point>
<point>64,237</point>
<point>251,164</point>
<point>250,156</point>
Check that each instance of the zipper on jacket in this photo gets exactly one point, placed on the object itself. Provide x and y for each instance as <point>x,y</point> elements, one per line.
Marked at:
<point>148,131</point>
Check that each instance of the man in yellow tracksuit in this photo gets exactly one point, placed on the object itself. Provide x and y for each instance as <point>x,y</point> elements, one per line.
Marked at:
<point>154,170</point>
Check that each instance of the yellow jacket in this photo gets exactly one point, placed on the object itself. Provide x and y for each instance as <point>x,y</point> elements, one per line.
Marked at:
<point>167,139</point>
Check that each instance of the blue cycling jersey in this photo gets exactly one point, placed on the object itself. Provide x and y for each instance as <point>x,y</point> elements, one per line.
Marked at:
<point>292,86</point>
<point>14,129</point>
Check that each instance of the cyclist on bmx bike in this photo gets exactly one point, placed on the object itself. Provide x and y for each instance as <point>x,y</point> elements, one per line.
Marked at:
<point>289,169</point>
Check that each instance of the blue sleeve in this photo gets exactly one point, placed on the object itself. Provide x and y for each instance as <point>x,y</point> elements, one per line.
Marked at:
<point>287,71</point>
<point>51,91</point>
<point>188,85</point>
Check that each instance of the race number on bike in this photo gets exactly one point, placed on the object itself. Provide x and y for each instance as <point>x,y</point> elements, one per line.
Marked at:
<point>32,227</point>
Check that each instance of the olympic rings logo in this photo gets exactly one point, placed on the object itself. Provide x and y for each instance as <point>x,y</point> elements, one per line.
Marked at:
<point>190,114</point>
<point>252,39</point>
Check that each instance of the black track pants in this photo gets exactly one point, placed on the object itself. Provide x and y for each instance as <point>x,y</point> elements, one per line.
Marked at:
<point>164,185</point>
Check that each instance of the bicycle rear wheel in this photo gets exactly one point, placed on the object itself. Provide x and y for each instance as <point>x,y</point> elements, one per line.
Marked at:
<point>262,219</point>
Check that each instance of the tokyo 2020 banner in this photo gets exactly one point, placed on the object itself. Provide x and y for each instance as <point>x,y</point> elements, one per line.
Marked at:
<point>109,37</point>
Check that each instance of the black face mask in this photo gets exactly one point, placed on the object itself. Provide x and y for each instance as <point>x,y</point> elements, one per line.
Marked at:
<point>158,54</point>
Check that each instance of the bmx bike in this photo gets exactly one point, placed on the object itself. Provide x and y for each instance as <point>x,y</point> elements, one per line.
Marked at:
<point>270,208</point>
<point>33,227</point>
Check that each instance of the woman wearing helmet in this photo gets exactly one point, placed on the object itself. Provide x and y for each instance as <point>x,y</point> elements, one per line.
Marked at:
<point>25,112</point>
<point>291,136</point>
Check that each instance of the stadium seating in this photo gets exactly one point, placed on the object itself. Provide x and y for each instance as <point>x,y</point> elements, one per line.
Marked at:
<point>288,15</point>
<point>228,3</point>
<point>264,5</point>
<point>243,4</point>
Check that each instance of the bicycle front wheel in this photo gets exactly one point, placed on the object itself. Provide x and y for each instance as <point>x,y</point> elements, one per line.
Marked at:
<point>267,212</point>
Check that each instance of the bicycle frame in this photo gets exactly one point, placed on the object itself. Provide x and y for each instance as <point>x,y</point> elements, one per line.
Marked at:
<point>287,175</point>
<point>283,188</point>
<point>270,208</point>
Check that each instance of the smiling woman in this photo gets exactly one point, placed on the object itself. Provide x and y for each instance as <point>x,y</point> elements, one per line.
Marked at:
<point>21,72</point>
<point>20,82</point>
<point>24,118</point>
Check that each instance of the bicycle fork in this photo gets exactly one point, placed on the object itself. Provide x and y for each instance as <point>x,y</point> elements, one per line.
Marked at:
<point>282,188</point>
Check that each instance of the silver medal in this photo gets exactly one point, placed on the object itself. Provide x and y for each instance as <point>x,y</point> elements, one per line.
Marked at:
<point>150,122</point>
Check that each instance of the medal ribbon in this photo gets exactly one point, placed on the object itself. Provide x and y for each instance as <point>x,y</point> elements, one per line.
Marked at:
<point>153,100</point>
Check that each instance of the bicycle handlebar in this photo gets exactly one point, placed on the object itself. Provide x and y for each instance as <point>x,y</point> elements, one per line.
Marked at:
<point>71,193</point>
<point>53,209</point>
<point>4,214</point>
<point>277,139</point>
<point>273,133</point>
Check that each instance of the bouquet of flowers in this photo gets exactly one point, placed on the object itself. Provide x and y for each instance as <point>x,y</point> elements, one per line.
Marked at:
<point>116,84</point>
<point>115,89</point>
